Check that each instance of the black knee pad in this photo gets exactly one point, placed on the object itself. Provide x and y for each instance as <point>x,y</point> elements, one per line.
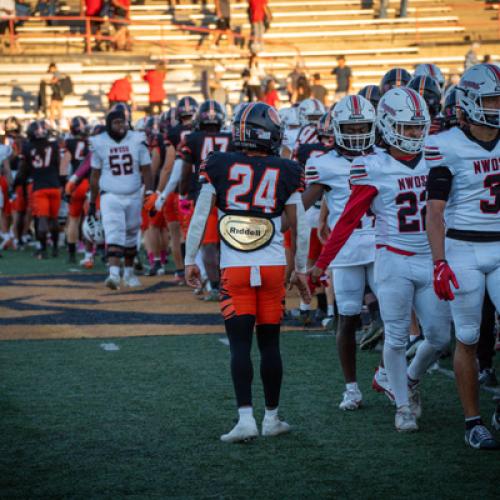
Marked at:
<point>130,252</point>
<point>115,251</point>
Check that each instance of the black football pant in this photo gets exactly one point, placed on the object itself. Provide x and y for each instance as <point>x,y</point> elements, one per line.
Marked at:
<point>239,330</point>
<point>486,344</point>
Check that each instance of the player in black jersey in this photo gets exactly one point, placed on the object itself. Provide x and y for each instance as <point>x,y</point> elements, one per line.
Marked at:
<point>76,149</point>
<point>195,148</point>
<point>41,160</point>
<point>251,188</point>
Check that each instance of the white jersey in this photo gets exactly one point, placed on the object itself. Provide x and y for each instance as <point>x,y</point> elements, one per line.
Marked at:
<point>474,201</point>
<point>332,171</point>
<point>290,138</point>
<point>120,162</point>
<point>399,205</point>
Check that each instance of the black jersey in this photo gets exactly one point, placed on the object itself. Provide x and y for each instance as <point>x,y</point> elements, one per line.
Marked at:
<point>254,185</point>
<point>196,147</point>
<point>78,149</point>
<point>177,134</point>
<point>306,151</point>
<point>43,158</point>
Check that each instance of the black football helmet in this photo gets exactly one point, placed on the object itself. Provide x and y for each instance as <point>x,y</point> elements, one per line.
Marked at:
<point>78,126</point>
<point>186,107</point>
<point>125,109</point>
<point>210,113</point>
<point>38,130</point>
<point>257,126</point>
<point>325,125</point>
<point>168,120</point>
<point>12,126</point>
<point>451,103</point>
<point>152,126</point>
<point>395,77</point>
<point>372,93</point>
<point>429,89</point>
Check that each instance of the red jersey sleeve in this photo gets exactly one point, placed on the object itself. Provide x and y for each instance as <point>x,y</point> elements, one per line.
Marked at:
<point>357,205</point>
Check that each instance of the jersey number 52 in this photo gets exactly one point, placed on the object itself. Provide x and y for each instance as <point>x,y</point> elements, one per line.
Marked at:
<point>121,164</point>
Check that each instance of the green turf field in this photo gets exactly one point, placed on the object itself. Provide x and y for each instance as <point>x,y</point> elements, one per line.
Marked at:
<point>144,421</point>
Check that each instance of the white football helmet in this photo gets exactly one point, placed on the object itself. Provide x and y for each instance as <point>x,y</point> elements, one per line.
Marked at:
<point>289,117</point>
<point>350,110</point>
<point>398,109</point>
<point>93,231</point>
<point>478,82</point>
<point>310,111</point>
<point>430,70</point>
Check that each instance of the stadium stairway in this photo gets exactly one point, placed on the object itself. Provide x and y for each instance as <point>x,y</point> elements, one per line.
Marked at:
<point>315,31</point>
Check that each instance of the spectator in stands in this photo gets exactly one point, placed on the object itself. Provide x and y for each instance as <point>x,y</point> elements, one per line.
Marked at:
<point>122,40</point>
<point>223,11</point>
<point>343,75</point>
<point>303,90</point>
<point>155,79</point>
<point>255,78</point>
<point>258,11</point>
<point>271,96</point>
<point>472,58</point>
<point>453,79</point>
<point>318,91</point>
<point>121,92</point>
<point>7,11</point>
<point>293,77</point>
<point>403,9</point>
<point>487,59</point>
<point>216,88</point>
<point>94,8</point>
<point>57,95</point>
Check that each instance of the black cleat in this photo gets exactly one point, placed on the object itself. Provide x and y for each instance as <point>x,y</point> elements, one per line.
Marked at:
<point>480,438</point>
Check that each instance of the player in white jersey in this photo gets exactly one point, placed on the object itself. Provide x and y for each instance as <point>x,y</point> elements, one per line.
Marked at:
<point>464,187</point>
<point>353,124</point>
<point>120,161</point>
<point>392,183</point>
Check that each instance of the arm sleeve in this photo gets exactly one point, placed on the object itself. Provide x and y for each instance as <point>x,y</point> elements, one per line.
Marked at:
<point>357,205</point>
<point>144,156</point>
<point>84,167</point>
<point>439,183</point>
<point>198,223</point>
<point>96,160</point>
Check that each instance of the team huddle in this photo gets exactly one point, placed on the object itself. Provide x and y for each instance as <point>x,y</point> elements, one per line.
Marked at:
<point>390,200</point>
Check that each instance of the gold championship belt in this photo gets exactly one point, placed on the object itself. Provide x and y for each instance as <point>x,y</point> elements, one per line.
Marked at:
<point>245,233</point>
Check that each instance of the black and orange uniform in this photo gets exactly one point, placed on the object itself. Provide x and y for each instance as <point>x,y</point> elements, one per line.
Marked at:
<point>42,158</point>
<point>155,143</point>
<point>251,194</point>
<point>78,149</point>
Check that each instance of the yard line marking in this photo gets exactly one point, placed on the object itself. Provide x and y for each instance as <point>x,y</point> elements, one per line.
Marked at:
<point>224,341</point>
<point>317,335</point>
<point>109,346</point>
<point>450,374</point>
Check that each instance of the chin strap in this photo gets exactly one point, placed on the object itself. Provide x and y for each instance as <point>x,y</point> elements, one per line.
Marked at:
<point>198,222</point>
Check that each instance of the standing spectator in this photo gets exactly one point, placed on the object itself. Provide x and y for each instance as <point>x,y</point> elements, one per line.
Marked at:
<point>318,91</point>
<point>258,11</point>
<point>121,92</point>
<point>303,90</point>
<point>122,40</point>
<point>223,11</point>
<point>271,96</point>
<point>472,58</point>
<point>256,75</point>
<point>57,97</point>
<point>216,88</point>
<point>293,77</point>
<point>155,78</point>
<point>343,76</point>
<point>403,9</point>
<point>93,8</point>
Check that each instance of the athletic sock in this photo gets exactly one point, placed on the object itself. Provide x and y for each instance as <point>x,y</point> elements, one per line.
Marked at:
<point>330,311</point>
<point>352,386</point>
<point>114,271</point>
<point>471,422</point>
<point>245,413</point>
<point>271,413</point>
<point>304,307</point>
<point>128,272</point>
<point>395,365</point>
<point>151,258</point>
<point>88,255</point>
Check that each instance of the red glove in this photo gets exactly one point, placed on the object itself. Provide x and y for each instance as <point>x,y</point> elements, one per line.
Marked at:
<point>322,281</point>
<point>149,203</point>
<point>442,277</point>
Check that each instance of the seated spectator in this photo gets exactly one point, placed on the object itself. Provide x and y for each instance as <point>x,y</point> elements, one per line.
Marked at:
<point>121,92</point>
<point>46,8</point>
<point>7,11</point>
<point>119,13</point>
<point>271,96</point>
<point>94,8</point>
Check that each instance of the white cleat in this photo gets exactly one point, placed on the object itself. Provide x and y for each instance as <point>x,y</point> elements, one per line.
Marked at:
<point>274,426</point>
<point>415,401</point>
<point>132,281</point>
<point>244,430</point>
<point>352,400</point>
<point>380,383</point>
<point>113,282</point>
<point>405,420</point>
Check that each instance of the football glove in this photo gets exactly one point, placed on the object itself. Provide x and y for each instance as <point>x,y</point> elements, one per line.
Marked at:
<point>443,275</point>
<point>149,203</point>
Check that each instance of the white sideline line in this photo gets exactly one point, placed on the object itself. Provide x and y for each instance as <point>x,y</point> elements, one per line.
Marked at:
<point>450,374</point>
<point>224,341</point>
<point>109,346</point>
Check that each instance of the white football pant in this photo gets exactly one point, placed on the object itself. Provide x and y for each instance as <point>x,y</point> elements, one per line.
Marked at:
<point>349,284</point>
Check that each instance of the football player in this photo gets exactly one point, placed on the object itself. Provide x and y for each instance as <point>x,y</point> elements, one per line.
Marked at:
<point>463,225</point>
<point>431,70</point>
<point>353,124</point>
<point>429,89</point>
<point>372,93</point>
<point>119,158</point>
<point>251,188</point>
<point>395,77</point>
<point>41,162</point>
<point>291,127</point>
<point>392,183</point>
<point>76,149</point>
